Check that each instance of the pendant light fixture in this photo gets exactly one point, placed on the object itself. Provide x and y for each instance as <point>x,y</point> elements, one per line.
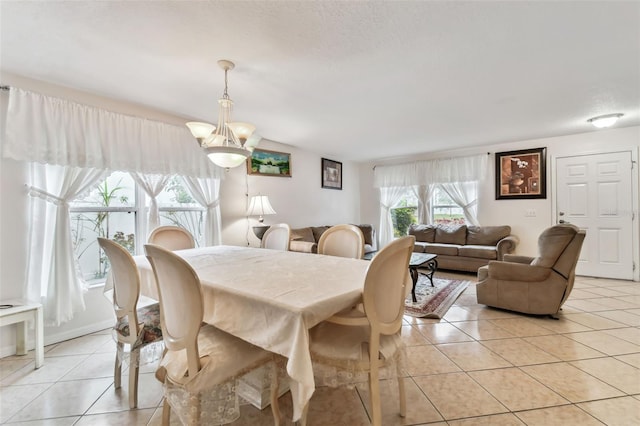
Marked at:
<point>229,143</point>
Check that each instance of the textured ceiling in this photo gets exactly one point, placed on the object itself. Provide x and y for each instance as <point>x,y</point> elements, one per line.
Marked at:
<point>352,80</point>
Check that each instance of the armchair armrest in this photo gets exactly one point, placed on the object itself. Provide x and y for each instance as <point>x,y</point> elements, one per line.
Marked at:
<point>515,258</point>
<point>506,245</point>
<point>509,271</point>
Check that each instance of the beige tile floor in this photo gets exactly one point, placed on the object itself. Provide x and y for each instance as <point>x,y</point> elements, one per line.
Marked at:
<point>476,366</point>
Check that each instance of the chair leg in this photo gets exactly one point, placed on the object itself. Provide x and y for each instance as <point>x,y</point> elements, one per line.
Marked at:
<point>275,390</point>
<point>166,413</point>
<point>117,370</point>
<point>133,379</point>
<point>403,397</point>
<point>374,395</point>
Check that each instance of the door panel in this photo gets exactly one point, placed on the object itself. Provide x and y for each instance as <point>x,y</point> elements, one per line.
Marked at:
<point>594,193</point>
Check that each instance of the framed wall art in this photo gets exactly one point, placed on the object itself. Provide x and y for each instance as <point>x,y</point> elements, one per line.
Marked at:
<point>521,174</point>
<point>269,163</point>
<point>331,174</point>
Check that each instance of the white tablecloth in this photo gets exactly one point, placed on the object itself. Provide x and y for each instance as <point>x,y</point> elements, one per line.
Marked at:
<point>271,299</point>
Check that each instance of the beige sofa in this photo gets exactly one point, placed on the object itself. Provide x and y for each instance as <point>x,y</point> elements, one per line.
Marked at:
<point>461,247</point>
<point>305,240</point>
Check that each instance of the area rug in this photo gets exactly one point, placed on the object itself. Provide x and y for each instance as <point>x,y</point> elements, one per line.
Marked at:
<point>434,302</point>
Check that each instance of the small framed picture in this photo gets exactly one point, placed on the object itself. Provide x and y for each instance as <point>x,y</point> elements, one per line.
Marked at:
<point>331,174</point>
<point>521,174</point>
<point>269,163</point>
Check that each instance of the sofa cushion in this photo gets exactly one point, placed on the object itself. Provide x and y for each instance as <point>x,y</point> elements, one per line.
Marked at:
<point>367,231</point>
<point>439,248</point>
<point>487,235</point>
<point>302,234</point>
<point>480,252</point>
<point>451,234</point>
<point>318,230</point>
<point>303,246</point>
<point>423,233</point>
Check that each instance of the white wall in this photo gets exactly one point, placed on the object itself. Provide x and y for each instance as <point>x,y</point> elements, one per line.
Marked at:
<point>299,200</point>
<point>512,212</point>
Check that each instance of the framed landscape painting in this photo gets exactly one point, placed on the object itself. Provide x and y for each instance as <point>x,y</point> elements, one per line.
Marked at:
<point>269,163</point>
<point>331,174</point>
<point>521,174</point>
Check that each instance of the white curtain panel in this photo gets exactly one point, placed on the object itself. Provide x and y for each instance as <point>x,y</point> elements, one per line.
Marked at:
<point>50,130</point>
<point>207,193</point>
<point>389,197</point>
<point>465,195</point>
<point>53,276</point>
<point>152,185</point>
<point>443,170</point>
<point>424,193</point>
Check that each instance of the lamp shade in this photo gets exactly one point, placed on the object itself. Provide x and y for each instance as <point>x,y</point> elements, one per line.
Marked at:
<point>227,156</point>
<point>200,130</point>
<point>260,206</point>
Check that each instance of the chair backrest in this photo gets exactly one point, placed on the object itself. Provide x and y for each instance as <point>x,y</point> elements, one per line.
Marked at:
<point>552,245</point>
<point>181,305</point>
<point>126,283</point>
<point>384,287</point>
<point>172,238</point>
<point>277,237</point>
<point>342,241</point>
<point>568,260</point>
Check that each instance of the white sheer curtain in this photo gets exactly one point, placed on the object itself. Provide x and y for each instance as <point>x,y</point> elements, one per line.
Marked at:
<point>52,276</point>
<point>465,195</point>
<point>207,193</point>
<point>50,130</point>
<point>389,197</point>
<point>152,185</point>
<point>424,193</point>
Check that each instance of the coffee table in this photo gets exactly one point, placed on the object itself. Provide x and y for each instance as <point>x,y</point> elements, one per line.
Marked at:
<point>417,261</point>
<point>424,261</point>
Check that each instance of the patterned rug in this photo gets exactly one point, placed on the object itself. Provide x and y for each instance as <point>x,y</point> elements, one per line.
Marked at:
<point>434,302</point>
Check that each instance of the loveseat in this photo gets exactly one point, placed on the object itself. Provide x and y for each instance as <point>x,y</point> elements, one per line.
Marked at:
<point>462,247</point>
<point>305,240</point>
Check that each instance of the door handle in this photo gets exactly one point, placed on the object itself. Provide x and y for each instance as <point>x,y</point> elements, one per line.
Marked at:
<point>562,221</point>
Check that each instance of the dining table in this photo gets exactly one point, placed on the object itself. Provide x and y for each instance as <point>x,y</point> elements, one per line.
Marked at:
<point>271,299</point>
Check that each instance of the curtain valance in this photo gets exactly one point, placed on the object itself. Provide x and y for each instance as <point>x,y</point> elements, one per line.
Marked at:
<point>445,170</point>
<point>50,130</point>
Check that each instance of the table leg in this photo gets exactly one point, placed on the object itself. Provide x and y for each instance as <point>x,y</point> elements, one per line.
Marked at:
<point>414,279</point>
<point>21,338</point>
<point>431,266</point>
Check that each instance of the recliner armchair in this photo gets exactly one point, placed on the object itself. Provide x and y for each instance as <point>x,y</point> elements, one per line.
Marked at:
<point>537,285</point>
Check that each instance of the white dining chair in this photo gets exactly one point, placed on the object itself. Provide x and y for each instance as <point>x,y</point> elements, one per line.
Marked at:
<point>172,238</point>
<point>342,241</point>
<point>200,368</point>
<point>136,327</point>
<point>277,237</point>
<point>369,341</point>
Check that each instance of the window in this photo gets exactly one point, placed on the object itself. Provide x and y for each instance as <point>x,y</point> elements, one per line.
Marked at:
<point>405,213</point>
<point>108,211</point>
<point>111,210</point>
<point>178,208</point>
<point>444,209</point>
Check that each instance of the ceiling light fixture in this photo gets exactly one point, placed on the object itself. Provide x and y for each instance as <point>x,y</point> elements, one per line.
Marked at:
<point>602,121</point>
<point>229,143</point>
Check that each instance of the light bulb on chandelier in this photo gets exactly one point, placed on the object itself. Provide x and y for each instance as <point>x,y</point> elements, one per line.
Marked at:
<point>229,143</point>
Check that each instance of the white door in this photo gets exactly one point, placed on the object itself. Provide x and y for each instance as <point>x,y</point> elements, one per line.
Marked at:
<point>594,192</point>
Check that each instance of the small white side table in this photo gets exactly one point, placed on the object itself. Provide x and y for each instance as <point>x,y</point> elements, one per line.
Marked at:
<point>21,311</point>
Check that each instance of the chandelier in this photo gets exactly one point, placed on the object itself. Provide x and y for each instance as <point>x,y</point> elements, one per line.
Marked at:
<point>229,143</point>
